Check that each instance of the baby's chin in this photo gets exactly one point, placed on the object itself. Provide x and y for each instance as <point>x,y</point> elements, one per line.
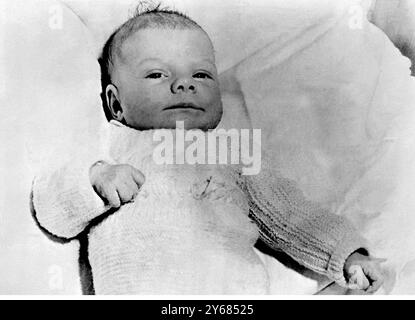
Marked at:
<point>190,124</point>
<point>182,123</point>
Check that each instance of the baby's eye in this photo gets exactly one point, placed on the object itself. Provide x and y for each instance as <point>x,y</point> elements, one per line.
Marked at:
<point>156,75</point>
<point>202,75</point>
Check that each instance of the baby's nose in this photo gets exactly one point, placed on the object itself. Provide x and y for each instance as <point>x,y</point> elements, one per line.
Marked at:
<point>184,85</point>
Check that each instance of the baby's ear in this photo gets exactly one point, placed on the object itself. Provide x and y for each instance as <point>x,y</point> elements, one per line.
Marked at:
<point>113,102</point>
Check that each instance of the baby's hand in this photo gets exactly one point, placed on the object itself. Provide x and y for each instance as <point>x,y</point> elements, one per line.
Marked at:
<point>363,273</point>
<point>115,184</point>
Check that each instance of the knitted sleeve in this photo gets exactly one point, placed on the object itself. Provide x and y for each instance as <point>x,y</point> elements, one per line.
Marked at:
<point>64,201</point>
<point>313,236</point>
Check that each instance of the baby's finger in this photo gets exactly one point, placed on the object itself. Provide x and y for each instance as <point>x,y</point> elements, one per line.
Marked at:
<point>357,280</point>
<point>375,285</point>
<point>132,187</point>
<point>376,279</point>
<point>125,193</point>
<point>138,177</point>
<point>111,196</point>
<point>364,283</point>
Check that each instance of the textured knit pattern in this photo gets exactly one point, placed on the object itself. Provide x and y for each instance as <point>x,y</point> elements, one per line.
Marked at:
<point>192,228</point>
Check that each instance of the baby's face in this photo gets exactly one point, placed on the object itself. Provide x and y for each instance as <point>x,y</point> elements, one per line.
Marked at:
<point>164,76</point>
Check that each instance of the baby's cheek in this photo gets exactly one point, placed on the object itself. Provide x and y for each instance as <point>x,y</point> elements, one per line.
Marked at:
<point>139,116</point>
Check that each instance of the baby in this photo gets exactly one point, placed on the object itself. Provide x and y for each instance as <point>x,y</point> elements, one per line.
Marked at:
<point>183,228</point>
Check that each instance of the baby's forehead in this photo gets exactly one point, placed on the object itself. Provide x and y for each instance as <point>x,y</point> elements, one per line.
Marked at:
<point>166,44</point>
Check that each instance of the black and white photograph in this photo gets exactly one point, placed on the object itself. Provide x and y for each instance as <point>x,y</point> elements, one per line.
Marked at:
<point>207,148</point>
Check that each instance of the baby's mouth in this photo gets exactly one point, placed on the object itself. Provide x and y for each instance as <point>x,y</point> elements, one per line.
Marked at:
<point>184,106</point>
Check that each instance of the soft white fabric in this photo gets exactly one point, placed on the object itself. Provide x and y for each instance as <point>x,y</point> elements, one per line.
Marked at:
<point>187,216</point>
<point>328,89</point>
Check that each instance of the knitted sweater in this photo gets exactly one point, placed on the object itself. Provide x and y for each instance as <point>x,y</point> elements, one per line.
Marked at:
<point>192,228</point>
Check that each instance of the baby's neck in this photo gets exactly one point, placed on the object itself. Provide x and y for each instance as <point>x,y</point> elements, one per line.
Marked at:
<point>179,126</point>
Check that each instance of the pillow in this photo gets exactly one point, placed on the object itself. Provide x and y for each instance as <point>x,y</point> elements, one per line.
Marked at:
<point>325,99</point>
